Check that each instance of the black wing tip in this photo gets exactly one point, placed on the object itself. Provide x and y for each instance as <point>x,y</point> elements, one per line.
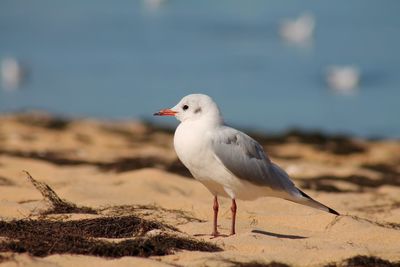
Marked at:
<point>329,209</point>
<point>333,212</point>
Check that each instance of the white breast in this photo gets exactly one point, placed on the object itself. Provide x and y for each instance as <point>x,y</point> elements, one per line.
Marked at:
<point>193,147</point>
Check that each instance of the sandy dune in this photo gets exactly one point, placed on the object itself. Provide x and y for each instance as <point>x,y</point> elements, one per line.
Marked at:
<point>115,166</point>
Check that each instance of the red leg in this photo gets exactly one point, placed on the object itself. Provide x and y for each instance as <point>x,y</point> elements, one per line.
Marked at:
<point>233,209</point>
<point>215,207</point>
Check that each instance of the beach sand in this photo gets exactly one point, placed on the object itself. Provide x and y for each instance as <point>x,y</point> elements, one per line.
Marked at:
<point>126,168</point>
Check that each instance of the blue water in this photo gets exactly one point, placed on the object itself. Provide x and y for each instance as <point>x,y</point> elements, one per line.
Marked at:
<point>120,59</point>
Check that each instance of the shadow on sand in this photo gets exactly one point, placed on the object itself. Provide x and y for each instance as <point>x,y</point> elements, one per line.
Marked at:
<point>278,235</point>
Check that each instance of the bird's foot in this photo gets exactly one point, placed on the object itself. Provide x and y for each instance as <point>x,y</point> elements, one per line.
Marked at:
<point>216,234</point>
<point>212,235</point>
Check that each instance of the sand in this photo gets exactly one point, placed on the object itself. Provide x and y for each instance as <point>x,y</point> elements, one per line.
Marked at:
<point>104,165</point>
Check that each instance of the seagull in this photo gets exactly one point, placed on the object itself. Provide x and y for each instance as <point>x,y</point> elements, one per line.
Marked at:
<point>12,73</point>
<point>228,162</point>
<point>154,4</point>
<point>343,78</point>
<point>298,31</point>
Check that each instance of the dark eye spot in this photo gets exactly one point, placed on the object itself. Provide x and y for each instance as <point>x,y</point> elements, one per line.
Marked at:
<point>197,110</point>
<point>185,107</point>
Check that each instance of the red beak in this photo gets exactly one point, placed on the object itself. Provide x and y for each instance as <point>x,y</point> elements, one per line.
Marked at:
<point>165,112</point>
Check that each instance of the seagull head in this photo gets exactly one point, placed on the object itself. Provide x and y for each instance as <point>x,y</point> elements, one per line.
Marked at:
<point>194,107</point>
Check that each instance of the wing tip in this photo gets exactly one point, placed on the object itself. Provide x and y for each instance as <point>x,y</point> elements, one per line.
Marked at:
<point>328,209</point>
<point>333,211</point>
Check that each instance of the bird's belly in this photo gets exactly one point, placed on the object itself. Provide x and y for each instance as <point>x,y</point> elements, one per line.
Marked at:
<point>208,173</point>
<point>205,169</point>
<point>220,181</point>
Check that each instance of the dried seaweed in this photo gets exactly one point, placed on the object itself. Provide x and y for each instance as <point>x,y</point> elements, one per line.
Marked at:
<point>119,165</point>
<point>390,172</point>
<point>364,261</point>
<point>58,205</point>
<point>105,227</point>
<point>43,243</point>
<point>356,261</point>
<point>46,236</point>
<point>335,144</point>
<point>48,156</point>
<point>322,183</point>
<point>44,121</point>
<point>132,163</point>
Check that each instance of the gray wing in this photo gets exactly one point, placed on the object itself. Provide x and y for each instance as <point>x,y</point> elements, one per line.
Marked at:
<point>245,158</point>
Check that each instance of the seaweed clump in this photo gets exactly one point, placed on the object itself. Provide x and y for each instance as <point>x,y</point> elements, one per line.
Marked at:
<point>45,237</point>
<point>324,182</point>
<point>365,261</point>
<point>43,120</point>
<point>335,144</point>
<point>137,236</point>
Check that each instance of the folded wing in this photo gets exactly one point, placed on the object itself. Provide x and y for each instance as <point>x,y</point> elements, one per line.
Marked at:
<point>245,158</point>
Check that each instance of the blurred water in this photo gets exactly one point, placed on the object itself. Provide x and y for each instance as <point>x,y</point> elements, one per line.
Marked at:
<point>121,59</point>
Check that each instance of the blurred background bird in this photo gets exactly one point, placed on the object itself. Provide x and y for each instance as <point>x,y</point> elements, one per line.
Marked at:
<point>13,73</point>
<point>299,30</point>
<point>343,78</point>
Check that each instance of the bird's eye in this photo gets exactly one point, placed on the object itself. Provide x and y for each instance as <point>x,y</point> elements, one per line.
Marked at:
<point>185,107</point>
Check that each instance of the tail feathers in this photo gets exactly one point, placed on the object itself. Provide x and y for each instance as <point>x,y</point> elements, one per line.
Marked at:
<point>308,201</point>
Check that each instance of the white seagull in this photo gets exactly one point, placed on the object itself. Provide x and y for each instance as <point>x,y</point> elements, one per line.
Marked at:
<point>227,161</point>
<point>298,31</point>
<point>12,73</point>
<point>343,78</point>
